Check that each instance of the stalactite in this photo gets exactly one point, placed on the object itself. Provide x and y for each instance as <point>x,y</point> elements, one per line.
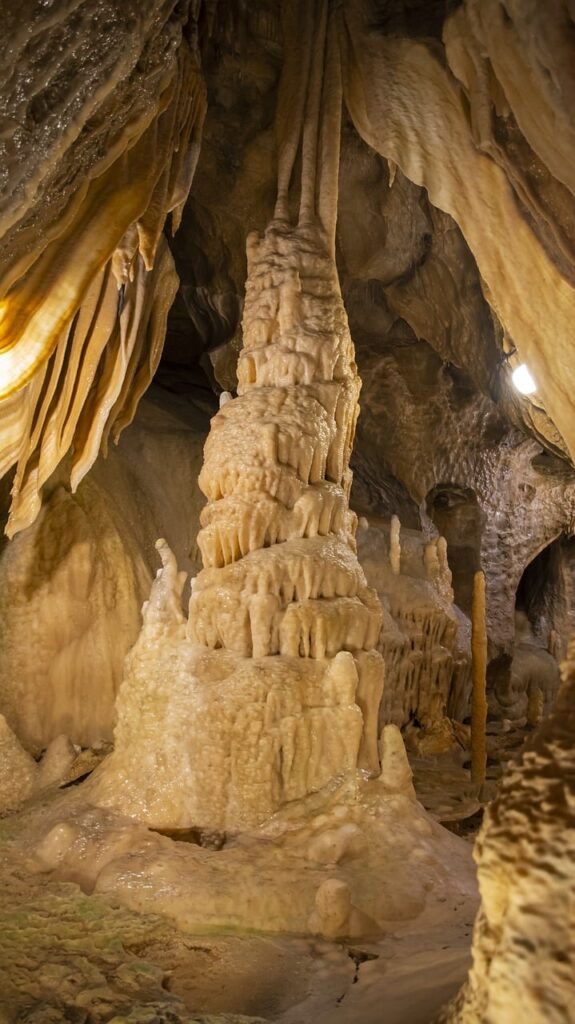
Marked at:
<point>395,88</point>
<point>92,384</point>
<point>83,302</point>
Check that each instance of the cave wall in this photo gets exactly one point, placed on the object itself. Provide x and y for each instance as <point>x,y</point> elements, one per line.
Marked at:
<point>103,109</point>
<point>451,437</point>
<point>545,593</point>
<point>475,110</point>
<point>387,79</point>
<point>73,583</point>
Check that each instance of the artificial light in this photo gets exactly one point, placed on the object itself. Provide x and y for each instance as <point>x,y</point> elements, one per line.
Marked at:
<point>523,381</point>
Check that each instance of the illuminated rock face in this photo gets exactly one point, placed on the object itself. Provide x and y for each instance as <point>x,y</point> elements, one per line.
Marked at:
<point>286,579</point>
<point>18,771</point>
<point>408,107</point>
<point>425,639</point>
<point>72,584</point>
<point>272,687</point>
<point>103,110</point>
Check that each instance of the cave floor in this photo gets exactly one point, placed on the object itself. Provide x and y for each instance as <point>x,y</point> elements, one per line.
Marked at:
<point>443,783</point>
<point>67,955</point>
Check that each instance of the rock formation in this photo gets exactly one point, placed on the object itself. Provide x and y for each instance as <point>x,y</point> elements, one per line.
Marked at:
<point>256,715</point>
<point>99,144</point>
<point>424,639</point>
<point>282,626</point>
<point>73,583</point>
<point>385,79</point>
<point>18,771</point>
<point>523,956</point>
<point>276,670</point>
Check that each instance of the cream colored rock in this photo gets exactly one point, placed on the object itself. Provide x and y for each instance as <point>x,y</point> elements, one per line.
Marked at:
<point>54,846</point>
<point>395,768</point>
<point>57,761</point>
<point>18,771</point>
<point>72,585</point>
<point>272,687</point>
<point>272,728</point>
<point>164,606</point>
<point>69,609</point>
<point>331,846</point>
<point>523,953</point>
<point>395,545</point>
<point>424,639</point>
<point>335,917</point>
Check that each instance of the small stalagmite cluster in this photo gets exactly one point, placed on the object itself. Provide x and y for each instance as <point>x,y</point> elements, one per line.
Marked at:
<point>424,640</point>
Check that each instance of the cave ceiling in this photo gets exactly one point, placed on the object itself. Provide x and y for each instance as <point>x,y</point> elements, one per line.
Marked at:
<point>429,346</point>
<point>452,191</point>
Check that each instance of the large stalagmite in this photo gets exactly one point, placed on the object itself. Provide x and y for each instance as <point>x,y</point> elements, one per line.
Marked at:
<point>272,687</point>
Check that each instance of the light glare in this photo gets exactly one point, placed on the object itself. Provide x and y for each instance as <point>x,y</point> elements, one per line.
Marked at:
<point>523,381</point>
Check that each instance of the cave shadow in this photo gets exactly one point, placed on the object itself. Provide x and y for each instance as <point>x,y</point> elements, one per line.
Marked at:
<point>455,511</point>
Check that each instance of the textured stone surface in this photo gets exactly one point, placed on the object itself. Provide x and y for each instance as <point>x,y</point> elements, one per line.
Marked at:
<point>523,942</point>
<point>73,583</point>
<point>103,113</point>
<point>18,771</point>
<point>275,674</point>
<point>438,410</point>
<point>68,956</point>
<point>474,105</point>
<point>424,639</point>
<point>453,442</point>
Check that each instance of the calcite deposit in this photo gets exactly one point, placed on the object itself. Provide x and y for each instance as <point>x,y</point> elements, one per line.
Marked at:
<point>523,955</point>
<point>87,562</point>
<point>100,144</point>
<point>425,638</point>
<point>276,668</point>
<point>239,744</point>
<point>18,771</point>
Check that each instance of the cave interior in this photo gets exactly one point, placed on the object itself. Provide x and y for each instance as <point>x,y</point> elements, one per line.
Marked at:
<point>287,489</point>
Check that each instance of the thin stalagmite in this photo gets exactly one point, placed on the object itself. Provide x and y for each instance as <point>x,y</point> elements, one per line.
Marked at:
<point>479,670</point>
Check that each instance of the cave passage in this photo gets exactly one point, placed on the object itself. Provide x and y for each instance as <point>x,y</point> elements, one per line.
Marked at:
<point>457,516</point>
<point>287,580</point>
